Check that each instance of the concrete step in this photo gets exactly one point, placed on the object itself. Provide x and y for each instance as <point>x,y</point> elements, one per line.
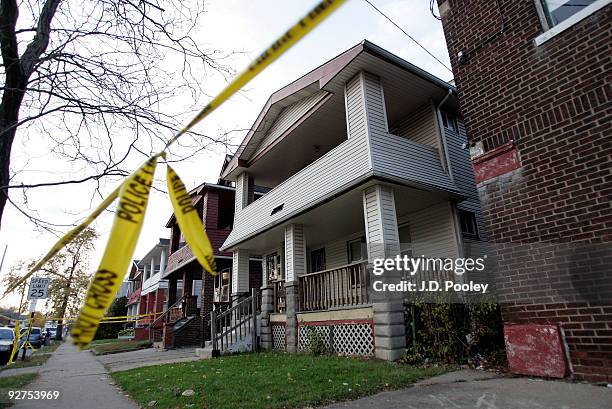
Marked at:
<point>204,353</point>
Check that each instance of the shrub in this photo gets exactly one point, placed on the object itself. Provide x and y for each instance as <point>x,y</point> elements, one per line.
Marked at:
<point>454,333</point>
<point>315,341</point>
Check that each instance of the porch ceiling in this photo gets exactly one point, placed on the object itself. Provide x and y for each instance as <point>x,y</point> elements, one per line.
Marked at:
<point>318,134</point>
<point>341,217</point>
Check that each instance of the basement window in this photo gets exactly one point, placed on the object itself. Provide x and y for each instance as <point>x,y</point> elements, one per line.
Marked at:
<point>277,209</point>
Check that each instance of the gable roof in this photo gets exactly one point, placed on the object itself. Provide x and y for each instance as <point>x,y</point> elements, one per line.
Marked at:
<point>308,84</point>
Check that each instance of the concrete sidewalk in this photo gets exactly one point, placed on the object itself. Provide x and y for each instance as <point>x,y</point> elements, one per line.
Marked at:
<point>81,380</point>
<point>482,390</point>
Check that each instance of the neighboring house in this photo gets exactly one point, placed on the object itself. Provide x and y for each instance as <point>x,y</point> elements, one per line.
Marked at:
<point>153,290</point>
<point>365,159</point>
<point>135,285</point>
<point>123,290</point>
<point>535,89</point>
<point>192,292</point>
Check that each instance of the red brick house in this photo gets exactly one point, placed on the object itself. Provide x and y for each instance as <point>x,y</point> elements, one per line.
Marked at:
<point>193,293</point>
<point>534,82</point>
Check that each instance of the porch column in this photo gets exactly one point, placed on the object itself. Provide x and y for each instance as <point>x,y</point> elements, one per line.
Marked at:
<point>152,266</point>
<point>267,307</point>
<point>240,273</point>
<point>162,262</point>
<point>187,283</point>
<point>295,266</point>
<point>244,191</point>
<point>172,288</point>
<point>383,242</point>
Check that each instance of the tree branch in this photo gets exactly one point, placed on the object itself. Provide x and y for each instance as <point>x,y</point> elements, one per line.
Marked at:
<point>41,39</point>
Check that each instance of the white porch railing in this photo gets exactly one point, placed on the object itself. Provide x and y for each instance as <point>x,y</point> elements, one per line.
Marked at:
<point>337,287</point>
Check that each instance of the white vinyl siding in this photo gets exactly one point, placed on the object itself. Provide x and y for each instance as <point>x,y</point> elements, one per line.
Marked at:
<point>345,165</point>
<point>419,126</point>
<point>381,222</point>
<point>463,174</point>
<point>399,157</point>
<point>295,252</point>
<point>432,232</point>
<point>289,116</point>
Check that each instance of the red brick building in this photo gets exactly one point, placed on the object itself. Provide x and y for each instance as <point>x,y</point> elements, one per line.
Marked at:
<point>193,293</point>
<point>534,79</point>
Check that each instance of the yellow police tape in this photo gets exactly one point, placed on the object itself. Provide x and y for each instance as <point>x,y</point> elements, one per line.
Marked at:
<point>64,240</point>
<point>122,242</point>
<point>189,222</point>
<point>129,216</point>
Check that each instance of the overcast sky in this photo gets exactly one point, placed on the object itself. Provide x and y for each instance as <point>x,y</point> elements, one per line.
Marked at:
<point>241,25</point>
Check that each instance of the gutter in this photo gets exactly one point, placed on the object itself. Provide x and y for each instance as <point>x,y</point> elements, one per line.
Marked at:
<point>449,168</point>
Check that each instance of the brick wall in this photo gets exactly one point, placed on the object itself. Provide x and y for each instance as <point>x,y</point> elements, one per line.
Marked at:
<point>552,102</point>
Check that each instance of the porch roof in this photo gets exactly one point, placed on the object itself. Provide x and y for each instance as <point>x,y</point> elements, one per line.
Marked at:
<point>338,217</point>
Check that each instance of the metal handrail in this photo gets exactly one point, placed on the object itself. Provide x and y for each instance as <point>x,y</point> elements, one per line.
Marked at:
<point>167,311</point>
<point>242,318</point>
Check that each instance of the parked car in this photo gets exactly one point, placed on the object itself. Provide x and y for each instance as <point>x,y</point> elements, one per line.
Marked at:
<point>7,336</point>
<point>52,331</point>
<point>36,337</point>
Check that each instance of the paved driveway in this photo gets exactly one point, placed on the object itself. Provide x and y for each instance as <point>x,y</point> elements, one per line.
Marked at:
<point>480,390</point>
<point>146,357</point>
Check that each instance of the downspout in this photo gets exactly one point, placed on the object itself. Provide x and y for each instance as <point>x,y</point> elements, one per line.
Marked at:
<point>443,134</point>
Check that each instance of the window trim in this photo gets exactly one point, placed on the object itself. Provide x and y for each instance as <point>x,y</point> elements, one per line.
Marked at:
<point>551,32</point>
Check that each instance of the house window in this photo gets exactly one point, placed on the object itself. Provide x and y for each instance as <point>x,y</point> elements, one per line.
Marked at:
<point>273,267</point>
<point>557,16</point>
<point>317,260</point>
<point>357,250</point>
<point>222,286</point>
<point>467,220</point>
<point>556,11</point>
<point>449,121</point>
<point>405,240</point>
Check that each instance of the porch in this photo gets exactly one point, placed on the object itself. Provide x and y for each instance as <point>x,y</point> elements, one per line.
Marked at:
<point>316,281</point>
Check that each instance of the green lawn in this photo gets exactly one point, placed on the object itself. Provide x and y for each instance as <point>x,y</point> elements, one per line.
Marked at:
<point>16,382</point>
<point>119,346</point>
<point>106,341</point>
<point>37,358</point>
<point>265,380</point>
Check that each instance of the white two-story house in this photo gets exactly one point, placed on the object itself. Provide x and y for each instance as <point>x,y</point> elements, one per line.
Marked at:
<point>366,157</point>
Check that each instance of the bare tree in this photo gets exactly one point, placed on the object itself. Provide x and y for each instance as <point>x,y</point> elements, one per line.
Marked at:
<point>93,77</point>
<point>69,273</point>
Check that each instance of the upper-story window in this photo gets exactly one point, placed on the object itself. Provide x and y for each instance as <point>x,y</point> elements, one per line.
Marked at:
<point>558,15</point>
<point>449,121</point>
<point>556,11</point>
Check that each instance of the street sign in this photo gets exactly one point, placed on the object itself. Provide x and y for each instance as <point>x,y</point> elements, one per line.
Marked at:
<point>39,287</point>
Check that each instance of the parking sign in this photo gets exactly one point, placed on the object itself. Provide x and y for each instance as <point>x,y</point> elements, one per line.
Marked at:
<point>39,287</point>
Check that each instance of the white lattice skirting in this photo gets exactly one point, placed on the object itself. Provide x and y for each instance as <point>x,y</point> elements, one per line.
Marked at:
<point>279,338</point>
<point>353,339</point>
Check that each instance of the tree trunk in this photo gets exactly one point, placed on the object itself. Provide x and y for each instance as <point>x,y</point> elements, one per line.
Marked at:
<point>6,142</point>
<point>60,325</point>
